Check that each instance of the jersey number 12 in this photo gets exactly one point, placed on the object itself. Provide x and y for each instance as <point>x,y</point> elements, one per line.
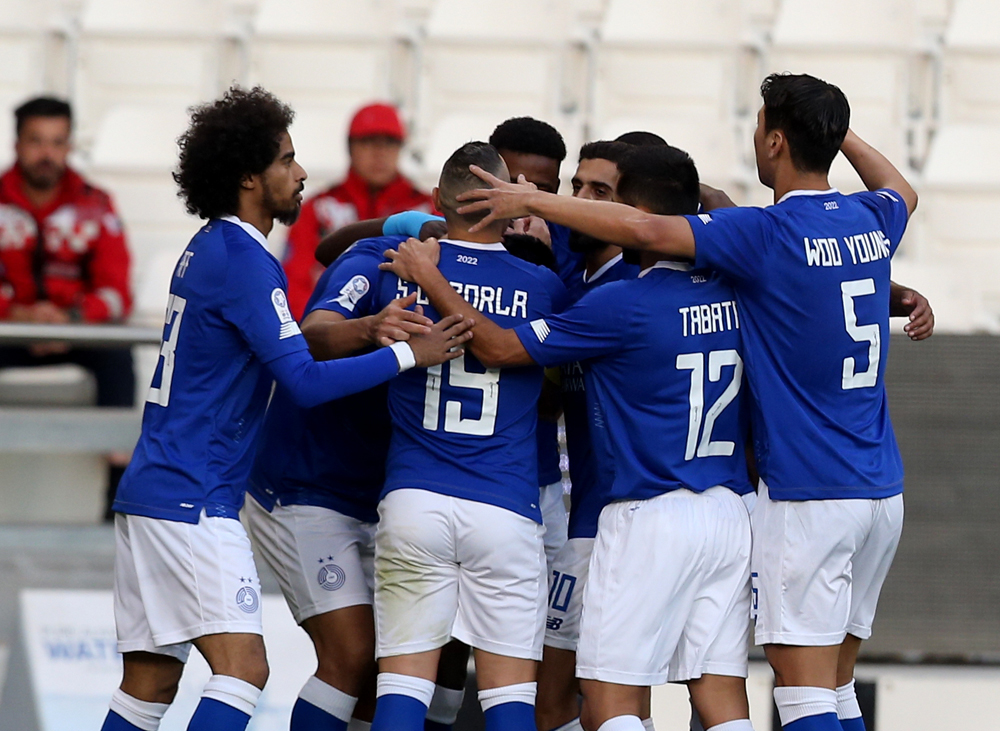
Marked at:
<point>695,362</point>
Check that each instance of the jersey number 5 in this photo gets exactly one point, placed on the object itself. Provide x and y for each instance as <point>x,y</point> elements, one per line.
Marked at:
<point>695,362</point>
<point>175,311</point>
<point>488,383</point>
<point>860,334</point>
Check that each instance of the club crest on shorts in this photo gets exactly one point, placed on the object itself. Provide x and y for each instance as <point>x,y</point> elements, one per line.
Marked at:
<point>331,577</point>
<point>288,325</point>
<point>247,599</point>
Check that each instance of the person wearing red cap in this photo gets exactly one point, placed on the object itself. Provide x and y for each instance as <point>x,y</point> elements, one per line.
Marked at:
<point>374,188</point>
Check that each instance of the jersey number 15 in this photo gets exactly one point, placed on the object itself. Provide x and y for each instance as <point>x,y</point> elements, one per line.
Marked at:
<point>457,376</point>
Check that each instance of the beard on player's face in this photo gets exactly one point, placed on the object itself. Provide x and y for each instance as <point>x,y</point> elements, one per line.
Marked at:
<point>285,211</point>
<point>584,244</point>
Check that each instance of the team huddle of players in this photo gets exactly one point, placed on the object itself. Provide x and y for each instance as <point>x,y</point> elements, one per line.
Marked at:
<point>396,459</point>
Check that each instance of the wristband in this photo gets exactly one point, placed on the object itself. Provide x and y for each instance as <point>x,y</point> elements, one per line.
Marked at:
<point>407,223</point>
<point>404,355</point>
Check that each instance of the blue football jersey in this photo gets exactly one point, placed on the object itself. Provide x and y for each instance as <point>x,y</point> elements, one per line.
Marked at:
<point>569,263</point>
<point>332,456</point>
<point>591,464</point>
<point>227,316</point>
<point>811,276</point>
<point>461,429</point>
<point>669,394</point>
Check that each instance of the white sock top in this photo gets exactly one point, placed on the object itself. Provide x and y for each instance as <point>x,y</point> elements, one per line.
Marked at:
<point>239,694</point>
<point>328,699</point>
<point>141,714</point>
<point>795,702</point>
<point>409,685</point>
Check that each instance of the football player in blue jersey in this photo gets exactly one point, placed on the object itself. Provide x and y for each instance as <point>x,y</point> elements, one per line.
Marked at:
<point>678,611</point>
<point>596,178</point>
<point>811,275</point>
<point>184,571</point>
<point>459,549</point>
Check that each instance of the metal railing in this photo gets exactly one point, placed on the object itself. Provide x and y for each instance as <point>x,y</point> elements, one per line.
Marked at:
<point>94,336</point>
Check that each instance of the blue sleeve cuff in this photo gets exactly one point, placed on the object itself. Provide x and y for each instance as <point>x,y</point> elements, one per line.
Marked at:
<point>407,223</point>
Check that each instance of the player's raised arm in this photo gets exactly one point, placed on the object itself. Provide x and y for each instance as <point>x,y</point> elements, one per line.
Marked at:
<point>416,262</point>
<point>611,222</point>
<point>875,170</point>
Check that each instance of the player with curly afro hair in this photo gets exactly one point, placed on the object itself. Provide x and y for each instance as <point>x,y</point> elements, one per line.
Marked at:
<point>230,147</point>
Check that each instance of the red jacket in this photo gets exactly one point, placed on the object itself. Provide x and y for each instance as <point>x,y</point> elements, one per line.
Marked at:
<point>84,263</point>
<point>335,207</point>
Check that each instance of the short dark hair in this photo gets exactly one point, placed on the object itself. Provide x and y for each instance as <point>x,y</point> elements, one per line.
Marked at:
<point>661,179</point>
<point>530,249</point>
<point>604,150</point>
<point>42,106</point>
<point>456,177</point>
<point>229,139</point>
<point>641,139</point>
<point>529,136</point>
<point>813,114</point>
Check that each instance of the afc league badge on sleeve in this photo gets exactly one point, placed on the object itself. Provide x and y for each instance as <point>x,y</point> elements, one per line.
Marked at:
<point>289,327</point>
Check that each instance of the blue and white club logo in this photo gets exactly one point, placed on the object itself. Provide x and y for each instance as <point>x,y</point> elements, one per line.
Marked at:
<point>247,600</point>
<point>331,577</point>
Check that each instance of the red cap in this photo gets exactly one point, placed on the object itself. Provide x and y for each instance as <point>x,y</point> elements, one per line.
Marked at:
<point>377,120</point>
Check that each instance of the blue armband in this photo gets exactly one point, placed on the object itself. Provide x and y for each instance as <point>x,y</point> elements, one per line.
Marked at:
<point>407,223</point>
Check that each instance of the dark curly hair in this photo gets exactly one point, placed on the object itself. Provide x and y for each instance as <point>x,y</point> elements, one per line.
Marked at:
<point>230,138</point>
<point>529,136</point>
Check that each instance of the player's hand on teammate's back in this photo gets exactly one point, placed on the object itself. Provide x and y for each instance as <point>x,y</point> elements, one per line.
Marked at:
<point>412,259</point>
<point>443,341</point>
<point>396,322</point>
<point>921,324</point>
<point>503,200</point>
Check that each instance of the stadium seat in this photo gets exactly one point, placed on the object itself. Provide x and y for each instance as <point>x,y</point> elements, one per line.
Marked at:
<point>712,146</point>
<point>870,50</point>
<point>134,51</point>
<point>668,58</point>
<point>504,58</point>
<point>332,53</point>
<point>133,154</point>
<point>972,63</point>
<point>961,188</point>
<point>23,62</point>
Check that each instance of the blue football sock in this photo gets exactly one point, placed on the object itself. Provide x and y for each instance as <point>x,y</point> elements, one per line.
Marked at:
<point>513,716</point>
<point>213,715</point>
<point>114,722</point>
<point>307,717</point>
<point>395,712</point>
<point>822,722</point>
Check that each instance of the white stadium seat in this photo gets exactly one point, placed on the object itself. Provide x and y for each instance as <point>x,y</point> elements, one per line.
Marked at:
<point>333,53</point>
<point>870,51</point>
<point>133,154</point>
<point>23,27</point>
<point>499,57</point>
<point>972,62</point>
<point>134,51</point>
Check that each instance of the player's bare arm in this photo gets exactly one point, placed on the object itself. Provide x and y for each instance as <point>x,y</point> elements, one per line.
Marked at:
<point>336,243</point>
<point>614,223</point>
<point>416,261</point>
<point>330,335</point>
<point>875,170</point>
<point>909,303</point>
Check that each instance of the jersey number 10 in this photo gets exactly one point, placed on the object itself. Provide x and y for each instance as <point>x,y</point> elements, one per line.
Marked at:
<point>487,383</point>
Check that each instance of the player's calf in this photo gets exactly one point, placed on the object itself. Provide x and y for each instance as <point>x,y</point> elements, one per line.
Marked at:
<point>149,684</point>
<point>558,702</point>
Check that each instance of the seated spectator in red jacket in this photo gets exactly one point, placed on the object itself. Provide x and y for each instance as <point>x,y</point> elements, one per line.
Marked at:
<point>63,256</point>
<point>374,188</point>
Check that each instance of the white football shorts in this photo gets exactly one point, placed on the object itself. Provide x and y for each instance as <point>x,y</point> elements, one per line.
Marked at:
<point>819,565</point>
<point>447,567</point>
<point>323,560</point>
<point>555,520</point>
<point>175,582</point>
<point>668,596</point>
<point>567,580</point>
